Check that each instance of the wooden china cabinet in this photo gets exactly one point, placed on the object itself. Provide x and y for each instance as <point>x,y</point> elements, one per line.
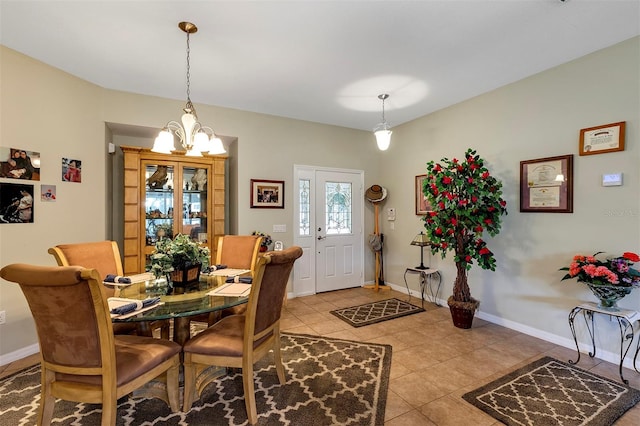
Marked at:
<point>168,194</point>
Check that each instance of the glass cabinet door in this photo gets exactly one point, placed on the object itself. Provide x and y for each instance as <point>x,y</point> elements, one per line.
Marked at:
<point>194,202</point>
<point>158,202</point>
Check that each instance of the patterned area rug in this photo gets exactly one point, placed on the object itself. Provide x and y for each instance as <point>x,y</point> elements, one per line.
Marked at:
<point>379,311</point>
<point>551,392</point>
<point>329,382</point>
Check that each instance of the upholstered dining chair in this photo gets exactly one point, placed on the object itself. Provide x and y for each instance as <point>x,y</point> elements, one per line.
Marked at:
<point>104,257</point>
<point>236,252</point>
<point>81,359</point>
<point>241,340</point>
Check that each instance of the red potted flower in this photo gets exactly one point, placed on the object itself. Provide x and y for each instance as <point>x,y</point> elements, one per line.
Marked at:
<point>467,204</point>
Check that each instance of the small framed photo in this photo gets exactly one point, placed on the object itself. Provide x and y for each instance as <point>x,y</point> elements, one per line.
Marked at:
<point>71,170</point>
<point>546,185</point>
<point>267,194</point>
<point>601,139</point>
<point>422,204</point>
<point>16,203</point>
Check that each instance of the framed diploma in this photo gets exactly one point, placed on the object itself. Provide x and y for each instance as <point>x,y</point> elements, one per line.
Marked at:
<point>601,139</point>
<point>546,185</point>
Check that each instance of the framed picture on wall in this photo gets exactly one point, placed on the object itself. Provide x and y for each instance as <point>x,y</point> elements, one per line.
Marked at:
<point>546,185</point>
<point>422,204</point>
<point>601,139</point>
<point>267,194</point>
<point>16,203</point>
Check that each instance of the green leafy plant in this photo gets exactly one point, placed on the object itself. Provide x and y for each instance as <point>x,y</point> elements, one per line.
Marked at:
<point>466,202</point>
<point>266,238</point>
<point>180,252</point>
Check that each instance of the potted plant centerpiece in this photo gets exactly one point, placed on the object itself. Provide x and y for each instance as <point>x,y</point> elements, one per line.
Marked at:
<point>609,279</point>
<point>466,202</point>
<point>266,240</point>
<point>181,259</point>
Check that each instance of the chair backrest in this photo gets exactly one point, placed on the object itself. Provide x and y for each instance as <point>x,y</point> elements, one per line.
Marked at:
<point>238,251</point>
<point>71,314</point>
<point>268,290</point>
<point>103,256</point>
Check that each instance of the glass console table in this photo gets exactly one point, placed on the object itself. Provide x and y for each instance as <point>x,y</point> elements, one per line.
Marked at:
<point>625,318</point>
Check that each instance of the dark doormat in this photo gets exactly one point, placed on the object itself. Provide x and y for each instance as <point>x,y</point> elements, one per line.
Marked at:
<point>371,313</point>
<point>551,392</point>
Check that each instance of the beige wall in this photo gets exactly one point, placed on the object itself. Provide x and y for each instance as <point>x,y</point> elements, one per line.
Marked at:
<point>39,100</point>
<point>533,118</point>
<point>538,117</point>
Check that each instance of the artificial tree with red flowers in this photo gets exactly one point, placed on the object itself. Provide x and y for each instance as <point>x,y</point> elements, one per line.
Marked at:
<point>466,202</point>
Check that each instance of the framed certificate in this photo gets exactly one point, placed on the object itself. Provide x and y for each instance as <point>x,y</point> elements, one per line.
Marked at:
<point>546,185</point>
<point>601,139</point>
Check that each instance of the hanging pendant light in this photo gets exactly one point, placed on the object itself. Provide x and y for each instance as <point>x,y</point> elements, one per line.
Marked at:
<point>383,130</point>
<point>194,137</point>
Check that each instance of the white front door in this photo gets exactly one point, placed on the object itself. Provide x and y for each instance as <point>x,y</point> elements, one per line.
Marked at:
<point>329,208</point>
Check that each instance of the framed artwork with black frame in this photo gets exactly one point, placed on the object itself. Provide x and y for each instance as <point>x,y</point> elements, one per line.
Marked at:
<point>16,203</point>
<point>546,185</point>
<point>267,194</point>
<point>422,204</point>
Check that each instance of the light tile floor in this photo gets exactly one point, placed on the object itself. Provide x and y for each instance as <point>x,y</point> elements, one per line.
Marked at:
<point>433,363</point>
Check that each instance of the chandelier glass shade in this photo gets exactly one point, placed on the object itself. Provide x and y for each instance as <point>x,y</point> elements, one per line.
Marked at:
<point>383,130</point>
<point>194,137</point>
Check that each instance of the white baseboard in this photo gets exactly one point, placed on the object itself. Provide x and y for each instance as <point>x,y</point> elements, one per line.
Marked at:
<point>603,354</point>
<point>534,332</point>
<point>19,354</point>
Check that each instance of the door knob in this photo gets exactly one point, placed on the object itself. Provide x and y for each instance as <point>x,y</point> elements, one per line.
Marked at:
<point>320,237</point>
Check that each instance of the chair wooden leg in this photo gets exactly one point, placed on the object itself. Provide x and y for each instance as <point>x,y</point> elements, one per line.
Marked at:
<point>248,387</point>
<point>47,401</point>
<point>189,383</point>
<point>109,404</point>
<point>277,359</point>
<point>173,386</point>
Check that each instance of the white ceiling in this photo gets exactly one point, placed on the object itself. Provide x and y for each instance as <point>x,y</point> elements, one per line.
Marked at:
<point>322,61</point>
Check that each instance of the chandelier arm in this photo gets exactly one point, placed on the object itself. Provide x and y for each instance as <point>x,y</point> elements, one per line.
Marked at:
<point>178,130</point>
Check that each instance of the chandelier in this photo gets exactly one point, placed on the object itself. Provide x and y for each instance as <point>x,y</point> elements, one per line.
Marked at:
<point>194,137</point>
<point>383,130</point>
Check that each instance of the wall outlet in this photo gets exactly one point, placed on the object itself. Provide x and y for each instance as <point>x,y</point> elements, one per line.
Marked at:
<point>3,317</point>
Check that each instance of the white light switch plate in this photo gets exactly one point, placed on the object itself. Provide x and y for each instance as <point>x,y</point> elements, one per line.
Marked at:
<point>279,228</point>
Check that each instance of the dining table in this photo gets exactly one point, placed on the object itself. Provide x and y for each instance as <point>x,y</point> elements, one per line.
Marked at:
<point>180,306</point>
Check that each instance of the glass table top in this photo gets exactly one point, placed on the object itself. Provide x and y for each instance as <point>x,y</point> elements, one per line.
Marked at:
<point>180,302</point>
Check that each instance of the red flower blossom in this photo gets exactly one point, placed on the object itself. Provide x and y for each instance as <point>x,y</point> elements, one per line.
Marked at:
<point>474,199</point>
<point>478,228</point>
<point>483,251</point>
<point>454,221</point>
<point>438,231</point>
<point>631,256</point>
<point>488,221</point>
<point>485,175</point>
<point>446,180</point>
<point>467,258</point>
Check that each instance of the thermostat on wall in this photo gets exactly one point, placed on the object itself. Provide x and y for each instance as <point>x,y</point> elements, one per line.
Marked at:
<point>612,179</point>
